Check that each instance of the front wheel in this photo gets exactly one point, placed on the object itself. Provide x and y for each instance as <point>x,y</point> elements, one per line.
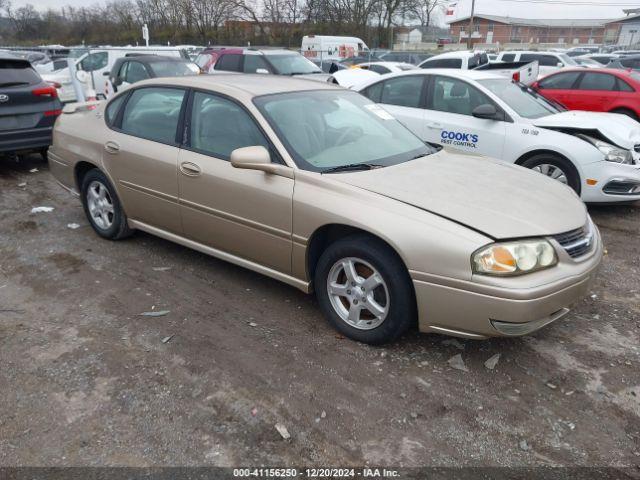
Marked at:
<point>556,168</point>
<point>102,206</point>
<point>364,290</point>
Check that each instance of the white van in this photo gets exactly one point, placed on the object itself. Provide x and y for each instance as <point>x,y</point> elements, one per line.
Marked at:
<point>327,47</point>
<point>97,64</point>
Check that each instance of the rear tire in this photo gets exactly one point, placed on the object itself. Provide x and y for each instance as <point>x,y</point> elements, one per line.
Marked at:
<point>102,206</point>
<point>364,290</point>
<point>556,167</point>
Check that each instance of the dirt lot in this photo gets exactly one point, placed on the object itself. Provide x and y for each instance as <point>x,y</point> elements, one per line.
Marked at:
<point>86,380</point>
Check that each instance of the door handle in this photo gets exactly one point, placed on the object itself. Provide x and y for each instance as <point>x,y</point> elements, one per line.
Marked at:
<point>434,125</point>
<point>112,147</point>
<point>190,169</point>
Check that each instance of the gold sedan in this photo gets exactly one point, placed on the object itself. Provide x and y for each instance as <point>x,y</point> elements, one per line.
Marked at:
<point>320,188</point>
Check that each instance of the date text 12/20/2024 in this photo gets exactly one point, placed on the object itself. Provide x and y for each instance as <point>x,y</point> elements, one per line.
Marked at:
<point>315,473</point>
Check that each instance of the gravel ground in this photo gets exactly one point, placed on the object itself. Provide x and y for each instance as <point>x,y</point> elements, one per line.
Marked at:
<point>86,380</point>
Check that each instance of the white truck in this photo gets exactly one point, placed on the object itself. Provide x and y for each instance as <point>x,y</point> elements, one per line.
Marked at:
<point>327,47</point>
<point>480,112</point>
<point>549,61</point>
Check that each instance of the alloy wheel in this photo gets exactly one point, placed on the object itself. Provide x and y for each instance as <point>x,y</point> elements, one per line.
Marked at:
<point>100,205</point>
<point>551,171</point>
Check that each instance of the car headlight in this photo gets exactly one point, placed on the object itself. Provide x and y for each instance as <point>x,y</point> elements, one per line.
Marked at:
<point>611,152</point>
<point>514,258</point>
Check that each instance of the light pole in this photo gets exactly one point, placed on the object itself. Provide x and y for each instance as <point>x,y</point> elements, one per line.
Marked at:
<point>469,39</point>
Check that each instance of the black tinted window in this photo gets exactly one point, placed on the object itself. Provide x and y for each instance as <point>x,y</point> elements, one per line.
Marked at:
<point>17,73</point>
<point>543,60</point>
<point>443,63</point>
<point>455,96</point>
<point>508,57</point>
<point>254,62</point>
<point>230,62</point>
<point>597,81</point>
<point>219,126</point>
<point>153,113</point>
<point>624,86</point>
<point>561,81</point>
<point>403,91</point>
<point>135,72</point>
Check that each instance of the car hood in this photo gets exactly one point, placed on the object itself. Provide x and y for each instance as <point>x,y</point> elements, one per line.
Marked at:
<point>619,129</point>
<point>498,199</point>
<point>318,77</point>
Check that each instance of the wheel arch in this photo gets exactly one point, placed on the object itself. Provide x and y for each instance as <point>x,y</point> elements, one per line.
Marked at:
<point>329,233</point>
<point>620,109</point>
<point>542,151</point>
<point>80,170</point>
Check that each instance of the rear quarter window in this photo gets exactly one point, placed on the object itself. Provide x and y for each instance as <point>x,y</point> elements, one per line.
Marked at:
<point>444,63</point>
<point>111,112</point>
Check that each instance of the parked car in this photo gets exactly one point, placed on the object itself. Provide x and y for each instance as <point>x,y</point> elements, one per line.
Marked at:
<point>480,112</point>
<point>96,65</point>
<point>587,62</point>
<point>265,61</point>
<point>316,186</point>
<point>628,62</point>
<point>549,61</point>
<point>601,58</point>
<point>405,57</point>
<point>129,70</point>
<point>28,108</point>
<point>464,60</point>
<point>386,67</point>
<point>596,90</point>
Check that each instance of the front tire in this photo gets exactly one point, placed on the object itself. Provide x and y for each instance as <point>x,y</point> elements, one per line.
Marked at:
<point>364,290</point>
<point>555,167</point>
<point>102,206</point>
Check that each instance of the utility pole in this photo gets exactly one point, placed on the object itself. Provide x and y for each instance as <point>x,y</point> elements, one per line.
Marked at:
<point>469,40</point>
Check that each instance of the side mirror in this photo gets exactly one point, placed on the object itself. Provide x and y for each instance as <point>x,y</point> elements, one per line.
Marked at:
<point>486,110</point>
<point>262,70</point>
<point>253,158</point>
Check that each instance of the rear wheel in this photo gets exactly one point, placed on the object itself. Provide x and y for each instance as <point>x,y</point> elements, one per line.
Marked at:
<point>364,290</point>
<point>102,206</point>
<point>555,167</point>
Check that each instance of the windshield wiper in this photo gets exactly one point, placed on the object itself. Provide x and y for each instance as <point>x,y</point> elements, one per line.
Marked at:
<point>352,167</point>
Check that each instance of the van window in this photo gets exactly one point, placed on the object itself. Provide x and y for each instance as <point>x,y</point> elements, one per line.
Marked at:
<point>153,113</point>
<point>94,61</point>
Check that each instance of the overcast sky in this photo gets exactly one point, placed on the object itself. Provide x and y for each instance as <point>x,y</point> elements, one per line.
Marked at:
<point>513,8</point>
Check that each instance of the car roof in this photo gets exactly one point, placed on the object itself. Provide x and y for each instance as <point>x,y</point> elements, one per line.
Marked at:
<point>611,71</point>
<point>535,52</point>
<point>460,54</point>
<point>245,85</point>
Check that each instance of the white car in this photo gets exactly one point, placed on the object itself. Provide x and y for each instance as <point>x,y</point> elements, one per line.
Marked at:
<point>463,60</point>
<point>480,112</point>
<point>386,67</point>
<point>549,61</point>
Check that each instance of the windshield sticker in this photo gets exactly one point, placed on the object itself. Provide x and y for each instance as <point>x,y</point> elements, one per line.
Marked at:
<point>459,139</point>
<point>379,111</point>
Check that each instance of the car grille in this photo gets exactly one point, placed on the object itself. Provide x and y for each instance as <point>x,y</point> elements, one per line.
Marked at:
<point>577,242</point>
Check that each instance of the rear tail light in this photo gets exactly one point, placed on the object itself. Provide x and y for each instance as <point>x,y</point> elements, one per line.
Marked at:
<point>45,92</point>
<point>52,113</point>
<point>516,76</point>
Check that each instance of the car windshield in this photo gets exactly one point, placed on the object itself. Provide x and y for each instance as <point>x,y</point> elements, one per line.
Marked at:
<point>567,60</point>
<point>174,69</point>
<point>292,64</point>
<point>522,99</point>
<point>325,129</point>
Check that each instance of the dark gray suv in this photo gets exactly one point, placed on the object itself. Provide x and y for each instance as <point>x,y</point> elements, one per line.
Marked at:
<point>29,107</point>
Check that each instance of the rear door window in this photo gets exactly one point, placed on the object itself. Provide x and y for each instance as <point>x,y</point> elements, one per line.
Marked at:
<point>230,62</point>
<point>597,81</point>
<point>455,96</point>
<point>403,91</point>
<point>153,113</point>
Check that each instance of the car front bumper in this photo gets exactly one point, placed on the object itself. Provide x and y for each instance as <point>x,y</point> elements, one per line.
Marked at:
<point>480,310</point>
<point>613,183</point>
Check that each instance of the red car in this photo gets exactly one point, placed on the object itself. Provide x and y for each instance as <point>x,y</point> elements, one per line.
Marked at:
<point>594,89</point>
